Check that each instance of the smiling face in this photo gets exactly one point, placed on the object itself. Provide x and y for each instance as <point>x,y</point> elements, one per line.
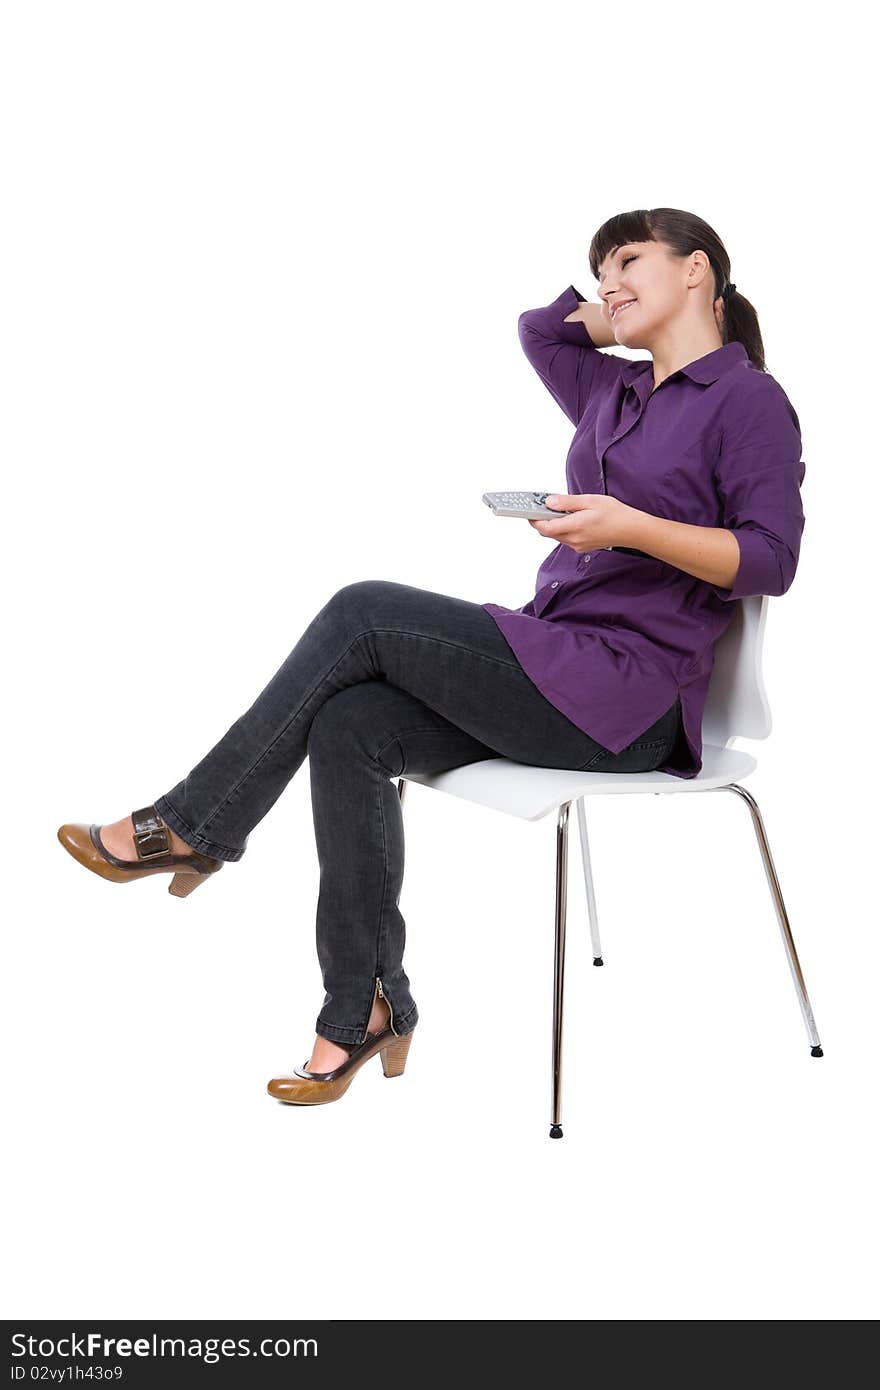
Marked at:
<point>664,288</point>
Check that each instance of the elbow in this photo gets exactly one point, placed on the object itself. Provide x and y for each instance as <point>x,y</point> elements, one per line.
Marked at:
<point>526,328</point>
<point>535,344</point>
<point>786,569</point>
<point>774,576</point>
<point>767,565</point>
<point>782,568</point>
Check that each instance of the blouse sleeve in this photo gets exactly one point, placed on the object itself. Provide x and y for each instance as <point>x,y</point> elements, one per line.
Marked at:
<point>564,355</point>
<point>758,479</point>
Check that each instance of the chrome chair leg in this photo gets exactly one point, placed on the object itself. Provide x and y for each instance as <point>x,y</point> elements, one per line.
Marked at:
<point>559,964</point>
<point>787,938</point>
<point>588,884</point>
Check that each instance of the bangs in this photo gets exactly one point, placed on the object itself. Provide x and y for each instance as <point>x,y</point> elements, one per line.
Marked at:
<point>619,231</point>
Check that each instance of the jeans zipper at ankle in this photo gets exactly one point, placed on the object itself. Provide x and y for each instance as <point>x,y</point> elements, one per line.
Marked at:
<point>382,995</point>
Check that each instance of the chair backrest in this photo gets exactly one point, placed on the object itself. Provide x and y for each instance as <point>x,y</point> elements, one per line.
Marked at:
<point>736,703</point>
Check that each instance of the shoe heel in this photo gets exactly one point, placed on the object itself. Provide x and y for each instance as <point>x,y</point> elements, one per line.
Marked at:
<point>394,1055</point>
<point>183,884</point>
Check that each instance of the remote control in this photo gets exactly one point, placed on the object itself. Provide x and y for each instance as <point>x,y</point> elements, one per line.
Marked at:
<point>525,504</point>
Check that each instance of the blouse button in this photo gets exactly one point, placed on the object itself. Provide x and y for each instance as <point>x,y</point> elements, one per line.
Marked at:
<point>555,584</point>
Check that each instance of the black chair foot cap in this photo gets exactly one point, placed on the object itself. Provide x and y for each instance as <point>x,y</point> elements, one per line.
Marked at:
<point>556,1131</point>
<point>598,960</point>
<point>816,1052</point>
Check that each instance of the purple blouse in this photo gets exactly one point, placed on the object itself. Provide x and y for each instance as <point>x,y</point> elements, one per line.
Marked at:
<point>612,637</point>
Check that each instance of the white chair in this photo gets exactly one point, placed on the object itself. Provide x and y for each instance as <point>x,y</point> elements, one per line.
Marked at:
<point>736,707</point>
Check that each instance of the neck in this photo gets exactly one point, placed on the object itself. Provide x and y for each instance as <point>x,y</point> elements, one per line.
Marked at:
<point>676,349</point>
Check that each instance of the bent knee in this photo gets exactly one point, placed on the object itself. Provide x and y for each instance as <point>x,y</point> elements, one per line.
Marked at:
<point>363,721</point>
<point>358,602</point>
<point>363,588</point>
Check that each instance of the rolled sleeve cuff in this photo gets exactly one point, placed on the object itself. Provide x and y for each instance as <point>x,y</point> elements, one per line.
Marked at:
<point>551,320</point>
<point>759,569</point>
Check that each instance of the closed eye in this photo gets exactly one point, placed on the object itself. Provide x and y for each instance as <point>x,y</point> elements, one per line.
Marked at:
<point>623,264</point>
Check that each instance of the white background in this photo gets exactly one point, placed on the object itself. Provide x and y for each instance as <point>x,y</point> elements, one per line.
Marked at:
<point>263,265</point>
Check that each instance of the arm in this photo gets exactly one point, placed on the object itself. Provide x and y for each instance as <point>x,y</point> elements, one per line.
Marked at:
<point>707,552</point>
<point>596,322</point>
<point>558,344</point>
<point>758,478</point>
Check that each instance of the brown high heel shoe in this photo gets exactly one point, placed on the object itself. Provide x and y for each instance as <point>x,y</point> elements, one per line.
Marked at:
<point>154,854</point>
<point>303,1087</point>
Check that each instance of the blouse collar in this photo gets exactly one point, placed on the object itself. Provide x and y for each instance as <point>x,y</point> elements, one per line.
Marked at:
<point>704,369</point>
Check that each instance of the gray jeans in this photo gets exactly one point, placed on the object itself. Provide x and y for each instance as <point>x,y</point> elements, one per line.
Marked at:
<point>386,679</point>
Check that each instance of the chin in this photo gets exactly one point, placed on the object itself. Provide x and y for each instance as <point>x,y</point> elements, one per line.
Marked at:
<point>628,340</point>
<point>632,335</point>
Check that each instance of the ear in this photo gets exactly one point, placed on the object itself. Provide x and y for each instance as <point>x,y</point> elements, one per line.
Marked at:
<point>700,267</point>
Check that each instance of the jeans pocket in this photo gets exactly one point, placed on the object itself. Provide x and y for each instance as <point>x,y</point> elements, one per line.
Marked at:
<point>642,756</point>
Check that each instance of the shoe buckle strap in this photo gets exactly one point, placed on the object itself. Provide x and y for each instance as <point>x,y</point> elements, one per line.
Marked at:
<point>150,833</point>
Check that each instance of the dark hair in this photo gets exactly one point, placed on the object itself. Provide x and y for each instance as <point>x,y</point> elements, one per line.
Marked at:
<point>684,232</point>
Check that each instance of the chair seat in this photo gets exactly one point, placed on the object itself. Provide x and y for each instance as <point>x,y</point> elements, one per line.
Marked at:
<point>529,792</point>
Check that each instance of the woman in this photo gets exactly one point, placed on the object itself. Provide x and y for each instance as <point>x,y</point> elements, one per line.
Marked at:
<point>684,482</point>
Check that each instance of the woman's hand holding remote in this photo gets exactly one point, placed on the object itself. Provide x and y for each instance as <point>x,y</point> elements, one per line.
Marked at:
<point>594,521</point>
